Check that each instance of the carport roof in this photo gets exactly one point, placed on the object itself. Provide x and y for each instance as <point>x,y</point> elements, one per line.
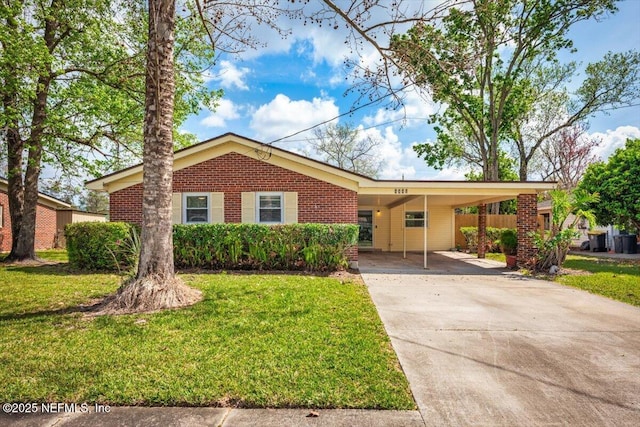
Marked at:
<point>456,194</point>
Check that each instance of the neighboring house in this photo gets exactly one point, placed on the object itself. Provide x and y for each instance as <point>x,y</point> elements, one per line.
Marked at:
<point>544,209</point>
<point>234,179</point>
<point>71,216</point>
<point>46,219</point>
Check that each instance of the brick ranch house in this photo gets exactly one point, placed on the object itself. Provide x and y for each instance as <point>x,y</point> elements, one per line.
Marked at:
<point>231,178</point>
<point>46,219</point>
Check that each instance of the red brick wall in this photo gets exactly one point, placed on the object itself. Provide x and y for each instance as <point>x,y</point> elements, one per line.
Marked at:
<point>527,223</point>
<point>482,230</point>
<point>45,226</point>
<point>233,173</point>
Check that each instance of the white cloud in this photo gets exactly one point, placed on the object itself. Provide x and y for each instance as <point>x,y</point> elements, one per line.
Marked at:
<point>231,76</point>
<point>614,139</point>
<point>226,110</point>
<point>400,161</point>
<point>283,116</point>
<point>416,110</point>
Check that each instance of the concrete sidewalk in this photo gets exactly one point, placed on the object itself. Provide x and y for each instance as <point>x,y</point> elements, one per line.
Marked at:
<point>218,417</point>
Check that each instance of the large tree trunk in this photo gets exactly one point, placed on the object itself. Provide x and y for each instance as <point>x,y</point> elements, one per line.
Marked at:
<point>15,146</point>
<point>23,243</point>
<point>155,286</point>
<point>15,149</point>
<point>23,195</point>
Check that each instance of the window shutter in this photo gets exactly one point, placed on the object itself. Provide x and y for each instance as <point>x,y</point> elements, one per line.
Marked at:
<point>248,214</point>
<point>290,207</point>
<point>216,203</point>
<point>176,208</point>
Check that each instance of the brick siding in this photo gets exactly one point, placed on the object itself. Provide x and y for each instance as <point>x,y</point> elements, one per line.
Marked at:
<point>45,226</point>
<point>527,222</point>
<point>233,174</point>
<point>482,230</point>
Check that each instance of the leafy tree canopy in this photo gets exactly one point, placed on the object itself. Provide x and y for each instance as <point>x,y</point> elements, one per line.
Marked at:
<point>494,66</point>
<point>617,181</point>
<point>91,53</point>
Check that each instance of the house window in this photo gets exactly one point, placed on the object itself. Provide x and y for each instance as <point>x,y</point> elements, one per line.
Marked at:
<point>196,208</point>
<point>269,208</point>
<point>415,219</point>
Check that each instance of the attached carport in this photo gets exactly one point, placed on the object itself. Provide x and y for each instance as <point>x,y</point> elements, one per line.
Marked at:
<point>410,216</point>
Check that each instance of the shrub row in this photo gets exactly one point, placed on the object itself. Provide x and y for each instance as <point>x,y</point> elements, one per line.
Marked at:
<point>493,238</point>
<point>315,247</point>
<point>262,247</point>
<point>101,245</point>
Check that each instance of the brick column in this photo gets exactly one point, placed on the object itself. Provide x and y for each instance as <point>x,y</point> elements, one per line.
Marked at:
<point>527,223</point>
<point>482,230</point>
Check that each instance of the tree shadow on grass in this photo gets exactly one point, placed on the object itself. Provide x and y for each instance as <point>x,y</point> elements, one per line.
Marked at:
<point>54,269</point>
<point>80,308</point>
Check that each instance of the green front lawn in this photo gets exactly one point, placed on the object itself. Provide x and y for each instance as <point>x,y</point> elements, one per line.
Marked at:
<point>53,255</point>
<point>616,279</point>
<point>613,278</point>
<point>254,341</point>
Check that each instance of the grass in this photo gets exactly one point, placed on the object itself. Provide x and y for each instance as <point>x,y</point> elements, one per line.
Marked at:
<point>254,341</point>
<point>54,255</point>
<point>616,279</point>
<point>496,256</point>
<point>613,278</point>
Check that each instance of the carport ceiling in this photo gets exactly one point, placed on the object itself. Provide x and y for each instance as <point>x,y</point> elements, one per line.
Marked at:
<point>455,201</point>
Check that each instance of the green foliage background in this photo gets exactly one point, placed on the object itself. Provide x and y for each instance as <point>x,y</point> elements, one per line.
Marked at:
<point>618,183</point>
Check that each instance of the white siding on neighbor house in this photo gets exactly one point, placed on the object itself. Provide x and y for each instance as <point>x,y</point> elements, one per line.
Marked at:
<point>440,231</point>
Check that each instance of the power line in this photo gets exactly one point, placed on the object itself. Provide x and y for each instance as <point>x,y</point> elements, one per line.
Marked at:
<point>351,111</point>
<point>366,128</point>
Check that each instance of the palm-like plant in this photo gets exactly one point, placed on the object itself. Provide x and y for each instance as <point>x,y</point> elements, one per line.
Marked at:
<point>553,248</point>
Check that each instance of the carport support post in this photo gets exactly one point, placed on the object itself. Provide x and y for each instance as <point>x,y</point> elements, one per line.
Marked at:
<point>527,224</point>
<point>404,231</point>
<point>424,229</point>
<point>482,230</point>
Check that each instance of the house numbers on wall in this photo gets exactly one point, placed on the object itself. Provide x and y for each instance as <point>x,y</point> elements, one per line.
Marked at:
<point>400,191</point>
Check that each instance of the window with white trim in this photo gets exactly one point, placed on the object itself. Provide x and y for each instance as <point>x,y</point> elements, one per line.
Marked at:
<point>269,208</point>
<point>415,219</point>
<point>196,208</point>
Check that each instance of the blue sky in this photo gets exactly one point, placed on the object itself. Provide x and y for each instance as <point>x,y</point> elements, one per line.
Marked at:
<point>299,82</point>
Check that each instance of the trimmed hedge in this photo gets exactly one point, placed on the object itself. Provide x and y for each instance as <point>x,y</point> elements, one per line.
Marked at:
<point>315,247</point>
<point>493,238</point>
<point>263,247</point>
<point>100,245</point>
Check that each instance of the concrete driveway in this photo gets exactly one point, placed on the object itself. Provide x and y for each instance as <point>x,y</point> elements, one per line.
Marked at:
<point>484,346</point>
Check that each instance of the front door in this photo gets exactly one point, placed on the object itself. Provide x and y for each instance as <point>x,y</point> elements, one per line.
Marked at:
<point>365,221</point>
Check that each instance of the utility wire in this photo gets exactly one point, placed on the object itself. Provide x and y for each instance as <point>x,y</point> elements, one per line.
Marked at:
<point>351,111</point>
<point>368,127</point>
